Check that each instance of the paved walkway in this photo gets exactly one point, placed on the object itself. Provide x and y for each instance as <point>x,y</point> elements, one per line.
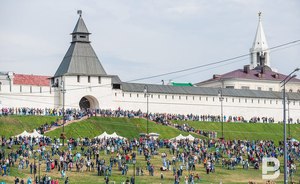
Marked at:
<point>192,133</point>
<point>67,123</point>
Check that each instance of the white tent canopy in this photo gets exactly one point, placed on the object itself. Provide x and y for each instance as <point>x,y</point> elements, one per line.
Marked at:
<point>36,134</point>
<point>179,137</point>
<point>294,140</point>
<point>102,136</point>
<point>105,135</point>
<point>33,134</point>
<point>190,137</point>
<point>115,135</point>
<point>23,134</point>
<point>154,135</point>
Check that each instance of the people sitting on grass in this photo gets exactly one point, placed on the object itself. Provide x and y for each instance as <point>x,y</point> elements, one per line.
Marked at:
<point>180,157</point>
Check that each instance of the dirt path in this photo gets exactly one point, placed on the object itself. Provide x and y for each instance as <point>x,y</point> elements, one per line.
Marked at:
<point>67,123</point>
<point>192,133</point>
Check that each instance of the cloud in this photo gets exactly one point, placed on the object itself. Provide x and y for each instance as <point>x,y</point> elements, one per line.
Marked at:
<point>185,9</point>
<point>145,37</point>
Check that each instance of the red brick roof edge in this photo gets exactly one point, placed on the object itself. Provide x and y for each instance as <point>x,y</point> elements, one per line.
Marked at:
<point>33,80</point>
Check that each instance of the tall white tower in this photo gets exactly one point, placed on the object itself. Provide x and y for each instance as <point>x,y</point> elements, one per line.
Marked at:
<point>260,54</point>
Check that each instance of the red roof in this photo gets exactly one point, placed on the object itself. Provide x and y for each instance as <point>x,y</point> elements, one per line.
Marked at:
<point>252,75</point>
<point>34,80</point>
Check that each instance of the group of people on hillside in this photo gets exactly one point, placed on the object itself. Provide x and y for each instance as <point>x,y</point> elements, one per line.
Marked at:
<point>70,114</point>
<point>184,157</point>
<point>77,114</point>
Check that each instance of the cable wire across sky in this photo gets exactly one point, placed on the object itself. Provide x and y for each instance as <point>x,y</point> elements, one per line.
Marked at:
<point>223,62</point>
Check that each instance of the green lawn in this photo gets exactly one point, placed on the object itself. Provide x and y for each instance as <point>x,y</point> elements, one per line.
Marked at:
<point>14,125</point>
<point>250,131</point>
<point>237,176</point>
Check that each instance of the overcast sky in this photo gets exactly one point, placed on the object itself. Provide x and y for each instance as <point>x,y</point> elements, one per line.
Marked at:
<point>136,39</point>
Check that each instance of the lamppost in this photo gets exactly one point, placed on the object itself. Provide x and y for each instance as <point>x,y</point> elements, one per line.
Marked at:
<point>289,121</point>
<point>63,90</point>
<point>134,162</point>
<point>40,162</point>
<point>221,98</point>
<point>146,93</point>
<point>34,157</point>
<point>284,82</point>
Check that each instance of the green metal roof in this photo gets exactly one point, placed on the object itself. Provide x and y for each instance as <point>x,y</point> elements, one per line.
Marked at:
<point>181,84</point>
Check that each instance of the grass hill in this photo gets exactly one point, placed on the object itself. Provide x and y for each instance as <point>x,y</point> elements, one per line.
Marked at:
<point>251,131</point>
<point>125,127</point>
<point>14,125</point>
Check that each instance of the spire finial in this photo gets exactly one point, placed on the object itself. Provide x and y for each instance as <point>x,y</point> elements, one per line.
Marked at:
<point>79,12</point>
<point>259,15</point>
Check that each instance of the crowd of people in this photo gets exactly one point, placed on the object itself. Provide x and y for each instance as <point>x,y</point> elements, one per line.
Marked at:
<point>70,113</point>
<point>77,114</point>
<point>183,159</point>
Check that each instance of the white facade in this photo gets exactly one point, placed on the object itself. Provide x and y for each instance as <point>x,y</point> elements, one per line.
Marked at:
<point>16,95</point>
<point>205,105</point>
<point>261,85</point>
<point>104,97</point>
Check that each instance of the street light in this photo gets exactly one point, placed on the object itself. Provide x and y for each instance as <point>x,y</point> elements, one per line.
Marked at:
<point>40,162</point>
<point>34,157</point>
<point>284,82</point>
<point>289,121</point>
<point>221,98</point>
<point>63,90</point>
<point>134,162</point>
<point>146,93</point>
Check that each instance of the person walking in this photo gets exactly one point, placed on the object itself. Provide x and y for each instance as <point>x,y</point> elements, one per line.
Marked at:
<point>67,180</point>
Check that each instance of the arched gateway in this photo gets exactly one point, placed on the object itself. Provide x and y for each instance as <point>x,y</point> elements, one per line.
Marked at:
<point>88,102</point>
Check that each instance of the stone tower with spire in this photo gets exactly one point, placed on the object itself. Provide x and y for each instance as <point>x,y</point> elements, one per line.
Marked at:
<point>80,58</point>
<point>81,75</point>
<point>260,54</point>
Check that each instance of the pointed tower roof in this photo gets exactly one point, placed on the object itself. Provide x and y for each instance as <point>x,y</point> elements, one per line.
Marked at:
<point>260,41</point>
<point>80,25</point>
<point>80,58</point>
